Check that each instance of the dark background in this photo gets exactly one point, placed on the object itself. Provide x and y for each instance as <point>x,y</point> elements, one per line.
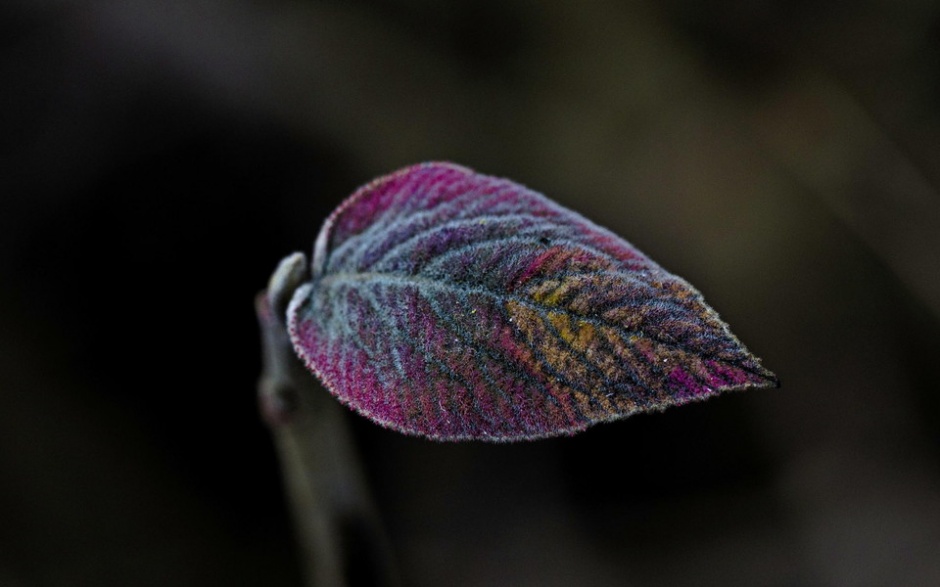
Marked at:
<point>158,158</point>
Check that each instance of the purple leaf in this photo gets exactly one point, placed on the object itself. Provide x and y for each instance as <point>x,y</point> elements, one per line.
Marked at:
<point>454,305</point>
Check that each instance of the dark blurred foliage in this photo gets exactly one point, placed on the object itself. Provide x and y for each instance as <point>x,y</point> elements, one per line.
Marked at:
<point>158,158</point>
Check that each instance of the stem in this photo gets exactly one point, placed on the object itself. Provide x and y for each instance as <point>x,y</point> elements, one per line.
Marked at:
<point>342,539</point>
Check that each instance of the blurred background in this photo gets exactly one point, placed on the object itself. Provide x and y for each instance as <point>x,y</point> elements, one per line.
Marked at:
<point>157,158</point>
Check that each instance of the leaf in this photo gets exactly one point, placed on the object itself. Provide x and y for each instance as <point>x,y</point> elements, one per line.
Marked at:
<point>454,305</point>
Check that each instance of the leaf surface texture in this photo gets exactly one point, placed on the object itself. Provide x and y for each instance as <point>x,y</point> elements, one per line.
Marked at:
<point>454,305</point>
